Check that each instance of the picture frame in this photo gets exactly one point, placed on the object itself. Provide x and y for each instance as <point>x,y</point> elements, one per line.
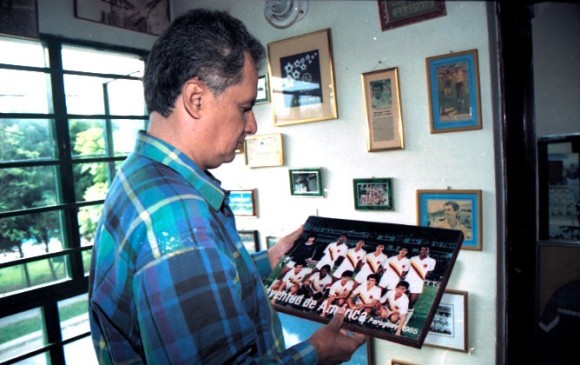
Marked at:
<point>151,17</point>
<point>399,362</point>
<point>302,79</point>
<point>454,95</point>
<point>453,209</point>
<point>263,95</point>
<point>373,194</point>
<point>311,254</point>
<point>250,240</point>
<point>383,110</point>
<point>298,330</point>
<point>264,150</point>
<point>242,202</point>
<point>394,14</point>
<point>306,182</point>
<point>449,329</point>
<point>271,241</point>
<point>20,18</point>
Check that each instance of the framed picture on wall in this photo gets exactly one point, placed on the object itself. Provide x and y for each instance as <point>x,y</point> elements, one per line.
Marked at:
<point>263,95</point>
<point>449,326</point>
<point>453,84</point>
<point>302,79</point>
<point>264,150</point>
<point>19,18</point>
<point>400,362</point>
<point>327,259</point>
<point>243,202</point>
<point>306,182</point>
<point>395,14</point>
<point>250,240</point>
<point>373,194</point>
<point>452,209</point>
<point>271,241</point>
<point>383,109</point>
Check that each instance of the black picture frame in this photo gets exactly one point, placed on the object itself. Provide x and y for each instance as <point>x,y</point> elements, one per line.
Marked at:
<point>394,14</point>
<point>20,18</point>
<point>250,240</point>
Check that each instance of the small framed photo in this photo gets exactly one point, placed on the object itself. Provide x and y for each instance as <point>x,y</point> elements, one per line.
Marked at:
<point>383,109</point>
<point>454,99</point>
<point>243,202</point>
<point>271,241</point>
<point>19,18</point>
<point>373,194</point>
<point>449,326</point>
<point>264,150</point>
<point>452,209</point>
<point>250,240</point>
<point>263,95</point>
<point>302,79</point>
<point>306,182</point>
<point>399,13</point>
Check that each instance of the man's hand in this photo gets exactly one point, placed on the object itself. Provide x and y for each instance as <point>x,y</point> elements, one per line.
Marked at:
<point>283,245</point>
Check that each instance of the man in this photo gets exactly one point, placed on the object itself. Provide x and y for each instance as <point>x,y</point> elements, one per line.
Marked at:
<point>338,293</point>
<point>170,280</point>
<point>395,269</point>
<point>293,279</point>
<point>451,221</point>
<point>333,253</point>
<point>420,266</point>
<point>365,297</point>
<point>394,306</point>
<point>316,284</point>
<point>351,260</point>
<point>371,264</point>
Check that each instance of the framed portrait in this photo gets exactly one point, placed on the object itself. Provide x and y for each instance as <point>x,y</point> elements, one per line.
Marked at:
<point>264,150</point>
<point>395,14</point>
<point>383,109</point>
<point>449,327</point>
<point>250,240</point>
<point>453,209</point>
<point>298,330</point>
<point>324,263</point>
<point>271,241</point>
<point>243,202</point>
<point>373,194</point>
<point>454,100</point>
<point>302,79</point>
<point>19,18</point>
<point>306,182</point>
<point>263,95</point>
<point>151,17</point>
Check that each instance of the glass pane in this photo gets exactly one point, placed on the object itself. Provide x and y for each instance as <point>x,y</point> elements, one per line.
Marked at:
<point>126,97</point>
<point>21,333</point>
<point>22,52</point>
<point>27,140</point>
<point>74,317</point>
<point>90,60</point>
<point>28,187</point>
<point>84,94</point>
<point>24,92</point>
<point>40,359</point>
<point>91,181</point>
<point>87,262</point>
<point>87,138</point>
<point>88,219</point>
<point>81,352</point>
<point>29,275</point>
<point>125,134</point>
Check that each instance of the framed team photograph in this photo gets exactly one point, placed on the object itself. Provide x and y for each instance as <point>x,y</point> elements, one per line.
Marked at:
<point>389,277</point>
<point>243,202</point>
<point>302,79</point>
<point>383,109</point>
<point>373,194</point>
<point>263,95</point>
<point>449,327</point>
<point>453,84</point>
<point>250,240</point>
<point>306,182</point>
<point>298,330</point>
<point>453,209</point>
<point>264,150</point>
<point>396,14</point>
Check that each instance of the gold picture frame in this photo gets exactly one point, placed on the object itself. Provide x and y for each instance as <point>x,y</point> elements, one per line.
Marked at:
<point>264,150</point>
<point>383,109</point>
<point>302,85</point>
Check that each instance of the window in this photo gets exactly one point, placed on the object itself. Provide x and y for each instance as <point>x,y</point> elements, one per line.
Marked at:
<point>69,114</point>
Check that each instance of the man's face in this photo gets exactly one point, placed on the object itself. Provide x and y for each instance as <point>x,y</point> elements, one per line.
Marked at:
<point>449,212</point>
<point>229,118</point>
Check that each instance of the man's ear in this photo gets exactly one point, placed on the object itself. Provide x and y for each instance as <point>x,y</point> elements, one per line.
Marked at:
<point>191,97</point>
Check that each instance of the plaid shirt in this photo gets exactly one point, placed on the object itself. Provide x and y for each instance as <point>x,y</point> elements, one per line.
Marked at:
<point>170,280</point>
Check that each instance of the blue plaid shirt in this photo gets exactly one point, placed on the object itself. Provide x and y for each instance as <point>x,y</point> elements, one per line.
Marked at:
<point>170,280</point>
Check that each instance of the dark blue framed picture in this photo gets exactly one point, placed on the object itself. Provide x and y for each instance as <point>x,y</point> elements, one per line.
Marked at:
<point>454,98</point>
<point>452,209</point>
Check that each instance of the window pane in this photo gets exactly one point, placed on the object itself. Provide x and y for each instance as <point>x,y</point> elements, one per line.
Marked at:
<point>84,94</point>
<point>22,52</point>
<point>125,134</point>
<point>91,181</point>
<point>74,316</point>
<point>21,333</point>
<point>28,187</point>
<point>29,275</point>
<point>126,97</point>
<point>24,92</point>
<point>88,219</point>
<point>81,352</point>
<point>87,138</point>
<point>27,139</point>
<point>90,60</point>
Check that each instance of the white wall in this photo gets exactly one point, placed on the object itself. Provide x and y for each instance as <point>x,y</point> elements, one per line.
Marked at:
<point>462,160</point>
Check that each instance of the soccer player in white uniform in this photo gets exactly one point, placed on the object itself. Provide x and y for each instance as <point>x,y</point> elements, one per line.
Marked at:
<point>351,260</point>
<point>421,266</point>
<point>372,263</point>
<point>395,268</point>
<point>332,252</point>
<point>339,292</point>
<point>395,305</point>
<point>366,296</point>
